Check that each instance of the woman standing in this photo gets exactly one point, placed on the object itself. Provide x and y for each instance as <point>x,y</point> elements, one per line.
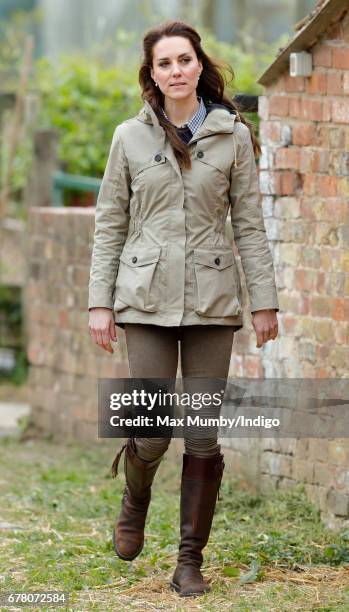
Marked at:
<point>164,270</point>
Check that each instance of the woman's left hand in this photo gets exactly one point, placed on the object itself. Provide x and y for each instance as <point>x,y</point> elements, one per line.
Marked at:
<point>265,324</point>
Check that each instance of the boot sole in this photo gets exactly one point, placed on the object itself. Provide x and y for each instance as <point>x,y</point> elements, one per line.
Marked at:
<point>123,557</point>
<point>177,588</point>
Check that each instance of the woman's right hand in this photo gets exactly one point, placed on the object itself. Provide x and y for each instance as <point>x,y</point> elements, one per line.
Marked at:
<point>102,327</point>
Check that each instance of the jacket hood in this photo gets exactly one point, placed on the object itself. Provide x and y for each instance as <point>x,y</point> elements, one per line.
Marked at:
<point>220,119</point>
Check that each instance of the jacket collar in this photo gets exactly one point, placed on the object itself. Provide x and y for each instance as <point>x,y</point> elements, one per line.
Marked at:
<point>219,119</point>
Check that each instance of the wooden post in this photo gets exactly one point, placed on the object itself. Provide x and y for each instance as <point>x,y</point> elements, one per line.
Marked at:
<point>39,188</point>
<point>13,140</point>
<point>16,125</point>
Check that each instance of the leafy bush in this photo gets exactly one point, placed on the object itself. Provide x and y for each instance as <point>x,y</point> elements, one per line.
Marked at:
<point>85,101</point>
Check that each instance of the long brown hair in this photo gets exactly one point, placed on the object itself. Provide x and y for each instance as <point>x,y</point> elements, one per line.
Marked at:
<point>210,86</point>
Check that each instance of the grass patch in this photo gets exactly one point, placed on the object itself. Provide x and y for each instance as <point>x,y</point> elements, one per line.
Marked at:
<point>58,504</point>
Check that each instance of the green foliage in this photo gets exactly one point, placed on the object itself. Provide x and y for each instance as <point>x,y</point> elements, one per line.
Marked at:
<point>19,374</point>
<point>13,33</point>
<point>10,304</point>
<point>11,317</point>
<point>85,101</point>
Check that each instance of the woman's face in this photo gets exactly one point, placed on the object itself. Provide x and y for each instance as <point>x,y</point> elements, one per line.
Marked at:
<point>176,68</point>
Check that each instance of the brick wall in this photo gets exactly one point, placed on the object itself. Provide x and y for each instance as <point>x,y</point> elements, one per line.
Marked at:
<point>304,170</point>
<point>304,181</point>
<point>64,362</point>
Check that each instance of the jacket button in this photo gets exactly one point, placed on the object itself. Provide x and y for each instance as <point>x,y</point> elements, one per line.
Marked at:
<point>217,261</point>
<point>134,259</point>
<point>200,154</point>
<point>157,157</point>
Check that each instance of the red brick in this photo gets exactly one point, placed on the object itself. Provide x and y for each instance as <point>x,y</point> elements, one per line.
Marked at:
<point>340,57</point>
<point>336,209</point>
<point>81,276</point>
<point>340,111</point>
<point>323,136</point>
<point>294,107</point>
<point>305,161</point>
<point>309,184</point>
<point>322,373</point>
<point>346,83</point>
<point>287,158</point>
<point>322,353</point>
<point>341,334</point>
<point>311,109</point>
<point>320,160</point>
<point>334,83</point>
<point>320,282</point>
<point>305,280</point>
<point>294,83</point>
<point>346,308</point>
<point>270,131</point>
<point>336,138</point>
<point>322,55</point>
<point>328,256</point>
<point>279,84</point>
<point>338,309</point>
<point>63,318</point>
<point>302,306</point>
<point>316,83</point>
<point>279,105</point>
<point>289,183</point>
<point>320,306</point>
<point>326,186</point>
<point>303,133</point>
<point>327,109</point>
<point>289,324</point>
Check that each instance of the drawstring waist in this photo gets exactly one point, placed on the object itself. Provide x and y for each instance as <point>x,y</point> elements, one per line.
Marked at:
<point>235,158</point>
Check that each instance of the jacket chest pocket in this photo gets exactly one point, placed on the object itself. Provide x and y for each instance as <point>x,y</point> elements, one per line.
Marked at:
<point>150,172</point>
<point>136,284</point>
<point>218,286</point>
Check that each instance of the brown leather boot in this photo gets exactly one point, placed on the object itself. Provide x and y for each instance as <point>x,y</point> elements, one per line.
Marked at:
<point>128,533</point>
<point>201,479</point>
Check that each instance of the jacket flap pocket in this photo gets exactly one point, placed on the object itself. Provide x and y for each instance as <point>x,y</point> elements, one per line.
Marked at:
<point>140,256</point>
<point>155,160</point>
<point>210,160</point>
<point>215,259</point>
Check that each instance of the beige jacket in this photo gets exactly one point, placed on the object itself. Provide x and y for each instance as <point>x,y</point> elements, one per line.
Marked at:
<point>161,252</point>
